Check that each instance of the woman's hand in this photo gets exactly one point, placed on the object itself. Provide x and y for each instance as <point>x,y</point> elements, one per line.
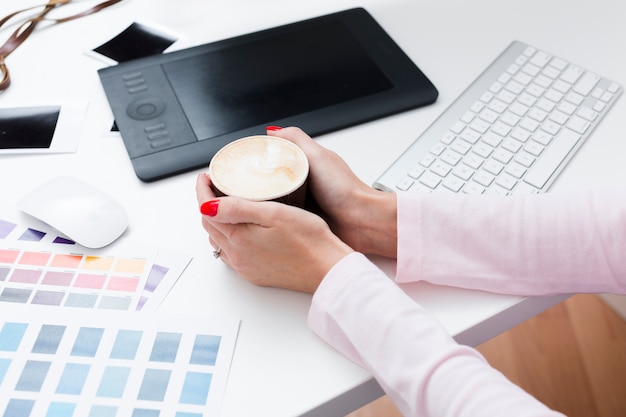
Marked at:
<point>267,243</point>
<point>361,216</point>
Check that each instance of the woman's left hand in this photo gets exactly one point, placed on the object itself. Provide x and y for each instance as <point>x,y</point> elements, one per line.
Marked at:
<point>268,243</point>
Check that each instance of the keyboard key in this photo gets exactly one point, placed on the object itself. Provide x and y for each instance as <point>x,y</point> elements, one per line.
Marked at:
<point>551,127</point>
<point>559,117</point>
<point>571,74</point>
<point>437,149</point>
<point>497,106</point>
<point>521,135</point>
<point>538,114</point>
<point>527,100</point>
<point>430,180</point>
<point>531,70</point>
<point>416,172</point>
<point>448,138</point>
<point>575,98</point>
<point>502,156</point>
<point>440,168</point>
<point>519,109</point>
<point>492,139</point>
<point>484,178</point>
<point>540,59</point>
<point>525,159</point>
<point>553,95</point>
<point>606,97</point>
<point>473,188</point>
<point>470,135</point>
<point>543,81</point>
<point>483,150</point>
<point>516,170</point>
<point>493,167</point>
<point>578,124</point>
<point>534,148</point>
<point>427,160</point>
<point>480,126</point>
<point>535,90</point>
<point>551,72</point>
<point>552,158</point>
<point>506,181</point>
<point>460,146</point>
<point>599,106</point>
<point>586,83</point>
<point>473,161</point>
<point>501,129</point>
<point>561,86</point>
<point>405,184</point>
<point>457,127</point>
<point>543,137</point>
<point>567,108</point>
<point>558,63</point>
<point>453,183</point>
<point>451,157</point>
<point>529,124</point>
<point>464,172</point>
<point>512,145</point>
<point>546,105</point>
<point>587,114</point>
<point>477,107</point>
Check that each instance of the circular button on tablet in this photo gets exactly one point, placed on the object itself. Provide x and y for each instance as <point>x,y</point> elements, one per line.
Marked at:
<point>145,108</point>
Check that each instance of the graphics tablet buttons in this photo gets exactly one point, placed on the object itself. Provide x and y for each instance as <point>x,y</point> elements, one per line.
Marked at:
<point>158,136</point>
<point>135,82</point>
<point>145,108</point>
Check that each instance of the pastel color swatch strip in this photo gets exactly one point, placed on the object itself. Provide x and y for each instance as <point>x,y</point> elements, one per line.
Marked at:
<point>30,275</point>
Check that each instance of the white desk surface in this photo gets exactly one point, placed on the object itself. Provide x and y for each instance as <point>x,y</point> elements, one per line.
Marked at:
<point>280,368</point>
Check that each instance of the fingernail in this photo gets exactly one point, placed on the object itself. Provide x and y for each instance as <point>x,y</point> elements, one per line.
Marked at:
<point>210,208</point>
<point>273,128</point>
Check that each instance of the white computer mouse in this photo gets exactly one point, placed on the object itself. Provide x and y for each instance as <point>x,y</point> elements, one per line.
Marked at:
<point>80,211</point>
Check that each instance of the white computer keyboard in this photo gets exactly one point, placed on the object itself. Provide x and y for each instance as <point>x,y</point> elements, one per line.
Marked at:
<point>512,130</point>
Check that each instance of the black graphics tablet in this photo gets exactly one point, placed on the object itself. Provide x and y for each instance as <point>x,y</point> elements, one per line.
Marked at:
<point>176,110</point>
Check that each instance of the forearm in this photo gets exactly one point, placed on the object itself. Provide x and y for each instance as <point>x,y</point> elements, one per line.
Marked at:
<point>364,315</point>
<point>533,245</point>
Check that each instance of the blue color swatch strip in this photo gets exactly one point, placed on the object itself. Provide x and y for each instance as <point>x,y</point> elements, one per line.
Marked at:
<point>48,339</point>
<point>73,378</point>
<point>205,350</point>
<point>113,382</point>
<point>87,341</point>
<point>11,336</point>
<point>154,384</point>
<point>161,381</point>
<point>126,344</point>
<point>33,376</point>
<point>165,347</point>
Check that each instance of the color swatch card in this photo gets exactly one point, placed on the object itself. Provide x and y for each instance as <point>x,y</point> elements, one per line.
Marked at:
<point>60,363</point>
<point>32,274</point>
<point>164,272</point>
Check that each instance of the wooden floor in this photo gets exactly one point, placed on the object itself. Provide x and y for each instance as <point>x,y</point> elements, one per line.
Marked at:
<point>571,357</point>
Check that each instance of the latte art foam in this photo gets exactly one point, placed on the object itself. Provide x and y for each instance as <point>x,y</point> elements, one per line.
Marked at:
<point>259,168</point>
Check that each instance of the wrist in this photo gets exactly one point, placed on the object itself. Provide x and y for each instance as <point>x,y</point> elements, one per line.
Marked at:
<point>377,223</point>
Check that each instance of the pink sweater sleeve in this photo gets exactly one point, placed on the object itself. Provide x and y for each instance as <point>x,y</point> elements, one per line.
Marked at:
<point>360,311</point>
<point>525,245</point>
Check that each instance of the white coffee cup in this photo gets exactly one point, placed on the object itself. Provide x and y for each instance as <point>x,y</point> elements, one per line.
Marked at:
<point>261,168</point>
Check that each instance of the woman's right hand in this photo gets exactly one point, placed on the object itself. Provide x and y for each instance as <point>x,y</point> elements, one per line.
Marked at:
<point>364,218</point>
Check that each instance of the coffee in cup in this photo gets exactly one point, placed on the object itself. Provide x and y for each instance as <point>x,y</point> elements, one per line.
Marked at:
<point>261,168</point>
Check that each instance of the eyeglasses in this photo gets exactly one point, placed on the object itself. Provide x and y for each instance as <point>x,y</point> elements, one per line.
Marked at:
<point>27,27</point>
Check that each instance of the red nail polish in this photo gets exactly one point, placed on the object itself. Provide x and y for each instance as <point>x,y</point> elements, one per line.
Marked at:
<point>210,208</point>
<point>273,128</point>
